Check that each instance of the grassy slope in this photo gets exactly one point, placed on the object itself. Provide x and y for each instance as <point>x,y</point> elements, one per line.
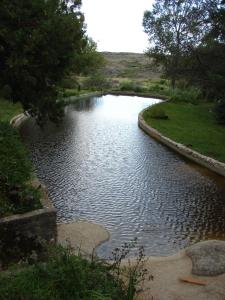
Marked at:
<point>129,65</point>
<point>194,126</point>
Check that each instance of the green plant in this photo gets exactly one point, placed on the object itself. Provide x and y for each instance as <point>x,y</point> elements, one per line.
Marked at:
<point>189,95</point>
<point>16,196</point>
<point>63,275</point>
<point>132,86</point>
<point>69,83</point>
<point>134,273</point>
<point>96,82</point>
<point>157,113</point>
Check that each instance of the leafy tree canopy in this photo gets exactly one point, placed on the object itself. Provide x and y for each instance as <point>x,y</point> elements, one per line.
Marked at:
<point>89,61</point>
<point>38,40</point>
<point>174,28</point>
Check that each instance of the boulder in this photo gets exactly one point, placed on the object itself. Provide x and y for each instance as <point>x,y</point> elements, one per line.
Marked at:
<point>208,258</point>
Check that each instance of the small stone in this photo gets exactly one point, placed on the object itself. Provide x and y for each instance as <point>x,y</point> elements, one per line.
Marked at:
<point>208,258</point>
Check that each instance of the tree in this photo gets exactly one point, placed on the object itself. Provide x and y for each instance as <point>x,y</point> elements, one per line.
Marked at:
<point>174,28</point>
<point>89,61</point>
<point>205,65</point>
<point>38,40</point>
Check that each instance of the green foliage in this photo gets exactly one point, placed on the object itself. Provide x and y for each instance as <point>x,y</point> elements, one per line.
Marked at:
<point>158,113</point>
<point>189,95</point>
<point>15,170</point>
<point>69,83</point>
<point>13,156</point>
<point>96,82</point>
<point>70,92</point>
<point>89,61</point>
<point>192,125</point>
<point>66,276</point>
<point>38,43</point>
<point>132,86</point>
<point>157,88</point>
<point>168,25</point>
<point>8,110</point>
<point>205,66</point>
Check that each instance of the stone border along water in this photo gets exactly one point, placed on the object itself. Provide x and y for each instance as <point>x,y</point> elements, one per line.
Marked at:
<point>39,223</point>
<point>205,161</point>
<point>42,223</point>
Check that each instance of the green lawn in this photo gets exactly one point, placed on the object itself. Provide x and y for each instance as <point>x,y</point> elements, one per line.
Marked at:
<point>193,126</point>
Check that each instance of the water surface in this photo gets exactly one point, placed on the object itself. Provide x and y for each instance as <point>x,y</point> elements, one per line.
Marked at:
<point>99,166</point>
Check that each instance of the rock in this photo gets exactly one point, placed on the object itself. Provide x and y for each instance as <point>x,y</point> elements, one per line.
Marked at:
<point>208,258</point>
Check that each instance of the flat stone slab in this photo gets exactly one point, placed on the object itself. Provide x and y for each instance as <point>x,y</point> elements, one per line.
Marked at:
<point>82,236</point>
<point>208,258</point>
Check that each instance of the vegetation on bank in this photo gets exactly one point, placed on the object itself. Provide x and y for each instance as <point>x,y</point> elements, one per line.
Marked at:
<point>192,125</point>
<point>63,275</point>
<point>16,195</point>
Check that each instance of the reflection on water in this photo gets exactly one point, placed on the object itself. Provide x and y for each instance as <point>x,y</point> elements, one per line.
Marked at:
<point>99,166</point>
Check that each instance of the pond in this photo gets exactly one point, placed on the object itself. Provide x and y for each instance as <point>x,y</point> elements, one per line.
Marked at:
<point>98,165</point>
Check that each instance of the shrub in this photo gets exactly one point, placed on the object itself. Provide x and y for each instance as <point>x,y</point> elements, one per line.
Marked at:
<point>189,95</point>
<point>132,86</point>
<point>66,276</point>
<point>69,83</point>
<point>96,82</point>
<point>15,170</point>
<point>157,113</point>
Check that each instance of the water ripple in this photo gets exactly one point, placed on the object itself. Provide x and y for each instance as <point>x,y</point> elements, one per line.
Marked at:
<point>99,166</point>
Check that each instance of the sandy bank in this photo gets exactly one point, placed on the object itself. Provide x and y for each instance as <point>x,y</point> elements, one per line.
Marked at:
<point>168,271</point>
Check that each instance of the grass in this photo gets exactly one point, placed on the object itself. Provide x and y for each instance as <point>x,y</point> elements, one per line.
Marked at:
<point>192,125</point>
<point>63,275</point>
<point>16,196</point>
<point>8,110</point>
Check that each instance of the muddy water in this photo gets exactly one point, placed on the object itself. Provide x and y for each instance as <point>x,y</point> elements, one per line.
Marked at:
<point>99,166</point>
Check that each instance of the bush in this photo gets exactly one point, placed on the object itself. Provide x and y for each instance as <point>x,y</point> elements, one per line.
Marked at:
<point>69,83</point>
<point>66,276</point>
<point>220,112</point>
<point>96,82</point>
<point>157,113</point>
<point>189,95</point>
<point>15,170</point>
<point>132,86</point>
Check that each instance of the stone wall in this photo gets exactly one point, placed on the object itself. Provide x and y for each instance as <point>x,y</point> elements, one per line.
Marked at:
<point>38,223</point>
<point>22,234</point>
<point>200,159</point>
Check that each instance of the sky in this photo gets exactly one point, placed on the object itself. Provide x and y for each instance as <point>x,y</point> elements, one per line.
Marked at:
<point>116,25</point>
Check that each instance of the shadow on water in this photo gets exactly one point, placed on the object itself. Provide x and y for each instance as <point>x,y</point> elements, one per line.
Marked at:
<point>99,166</point>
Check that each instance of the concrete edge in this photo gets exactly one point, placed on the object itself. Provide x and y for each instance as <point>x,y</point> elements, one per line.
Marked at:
<point>28,215</point>
<point>205,161</point>
<point>18,120</point>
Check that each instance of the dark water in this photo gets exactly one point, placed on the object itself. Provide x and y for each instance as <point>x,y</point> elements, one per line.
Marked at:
<point>99,166</point>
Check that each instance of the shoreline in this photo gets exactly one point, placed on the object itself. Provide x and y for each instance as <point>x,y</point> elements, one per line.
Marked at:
<point>205,161</point>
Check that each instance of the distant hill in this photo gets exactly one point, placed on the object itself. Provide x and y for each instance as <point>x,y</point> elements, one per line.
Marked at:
<point>129,65</point>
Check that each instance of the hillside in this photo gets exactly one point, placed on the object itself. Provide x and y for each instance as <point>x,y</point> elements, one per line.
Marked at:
<point>129,65</point>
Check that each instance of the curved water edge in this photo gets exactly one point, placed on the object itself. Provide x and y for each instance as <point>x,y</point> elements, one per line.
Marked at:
<point>205,161</point>
<point>99,166</point>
